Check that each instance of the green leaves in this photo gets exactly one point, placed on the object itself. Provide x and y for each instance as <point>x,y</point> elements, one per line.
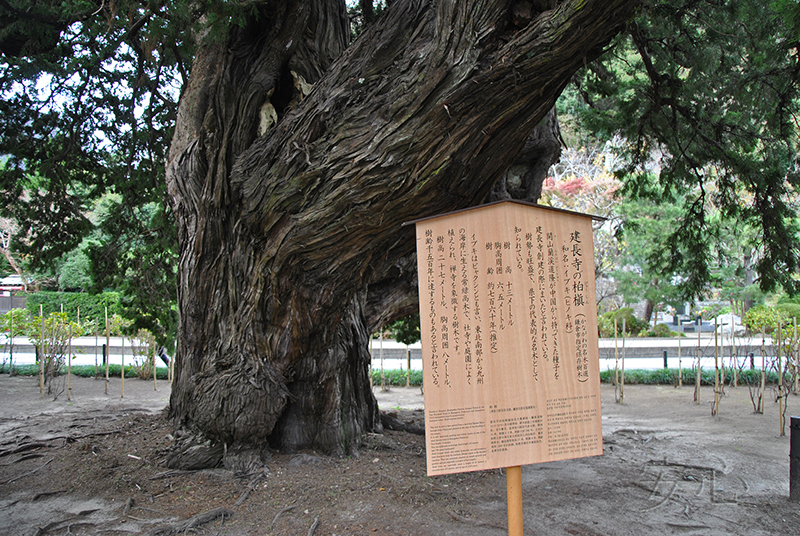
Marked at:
<point>705,93</point>
<point>89,101</point>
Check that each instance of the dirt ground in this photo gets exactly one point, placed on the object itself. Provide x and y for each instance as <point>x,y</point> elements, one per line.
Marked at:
<point>93,466</point>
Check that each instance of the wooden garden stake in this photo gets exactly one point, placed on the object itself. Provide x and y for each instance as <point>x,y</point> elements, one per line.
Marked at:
<point>95,352</point>
<point>122,374</point>
<point>715,407</point>
<point>155,387</point>
<point>699,370</point>
<point>408,366</point>
<point>680,367</point>
<point>383,376</point>
<point>514,499</point>
<point>108,348</point>
<point>734,357</point>
<point>796,353</point>
<point>11,345</point>
<point>616,363</point>
<point>41,352</point>
<point>763,370</point>
<point>781,398</point>
<point>794,459</point>
<point>622,375</point>
<point>69,364</point>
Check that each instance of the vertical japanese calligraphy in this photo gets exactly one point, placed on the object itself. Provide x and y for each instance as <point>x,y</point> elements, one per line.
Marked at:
<point>509,336</point>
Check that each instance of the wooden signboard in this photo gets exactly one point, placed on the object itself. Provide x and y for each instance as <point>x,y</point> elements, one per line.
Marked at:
<point>509,337</point>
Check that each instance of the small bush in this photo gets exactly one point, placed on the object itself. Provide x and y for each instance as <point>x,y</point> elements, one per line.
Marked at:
<point>633,325</point>
<point>661,330</point>
<point>396,377</point>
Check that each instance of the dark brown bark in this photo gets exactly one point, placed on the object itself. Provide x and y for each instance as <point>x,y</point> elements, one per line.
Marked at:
<point>290,232</point>
<point>523,180</point>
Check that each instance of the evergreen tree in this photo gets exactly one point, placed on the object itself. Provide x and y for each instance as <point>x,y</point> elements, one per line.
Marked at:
<point>706,94</point>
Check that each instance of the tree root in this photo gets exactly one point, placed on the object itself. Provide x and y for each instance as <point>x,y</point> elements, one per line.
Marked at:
<point>55,524</point>
<point>313,527</point>
<point>242,497</point>
<point>397,425</point>
<point>29,472</point>
<point>251,486</point>
<point>23,448</point>
<point>26,457</point>
<point>475,522</point>
<point>47,494</point>
<point>127,507</point>
<point>171,473</point>
<point>192,522</point>
<point>274,519</point>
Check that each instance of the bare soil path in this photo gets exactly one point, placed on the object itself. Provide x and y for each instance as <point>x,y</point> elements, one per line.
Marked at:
<point>93,466</point>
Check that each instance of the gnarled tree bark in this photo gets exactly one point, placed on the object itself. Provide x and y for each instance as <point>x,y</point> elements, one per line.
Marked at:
<point>294,163</point>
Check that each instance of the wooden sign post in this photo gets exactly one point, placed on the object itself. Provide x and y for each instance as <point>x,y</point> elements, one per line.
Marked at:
<point>509,340</point>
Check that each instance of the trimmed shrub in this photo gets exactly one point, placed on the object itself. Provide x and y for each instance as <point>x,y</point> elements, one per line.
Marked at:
<point>633,325</point>
<point>396,377</point>
<point>92,306</point>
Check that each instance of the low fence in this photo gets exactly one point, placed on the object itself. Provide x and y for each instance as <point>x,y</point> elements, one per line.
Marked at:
<point>638,353</point>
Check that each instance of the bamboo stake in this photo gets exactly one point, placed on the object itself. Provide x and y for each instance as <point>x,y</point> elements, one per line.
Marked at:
<point>699,368</point>
<point>41,352</point>
<point>791,354</point>
<point>781,398</point>
<point>680,366</point>
<point>11,346</point>
<point>108,348</point>
<point>622,376</point>
<point>122,373</point>
<point>514,497</point>
<point>763,370</point>
<point>715,407</point>
<point>383,376</point>
<point>734,356</point>
<point>795,353</point>
<point>408,366</point>
<point>155,387</point>
<point>69,365</point>
<point>616,363</point>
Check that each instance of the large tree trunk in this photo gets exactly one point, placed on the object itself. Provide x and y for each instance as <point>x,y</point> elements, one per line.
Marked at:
<point>290,203</point>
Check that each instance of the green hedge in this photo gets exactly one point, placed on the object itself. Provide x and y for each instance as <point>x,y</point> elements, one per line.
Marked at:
<point>92,306</point>
<point>85,371</point>
<point>670,376</point>
<point>396,377</point>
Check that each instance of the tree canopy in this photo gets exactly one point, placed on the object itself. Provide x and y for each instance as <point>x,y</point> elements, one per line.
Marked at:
<point>704,90</point>
<point>705,94</point>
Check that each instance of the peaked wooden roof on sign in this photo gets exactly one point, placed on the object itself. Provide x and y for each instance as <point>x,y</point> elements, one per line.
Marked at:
<point>514,201</point>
